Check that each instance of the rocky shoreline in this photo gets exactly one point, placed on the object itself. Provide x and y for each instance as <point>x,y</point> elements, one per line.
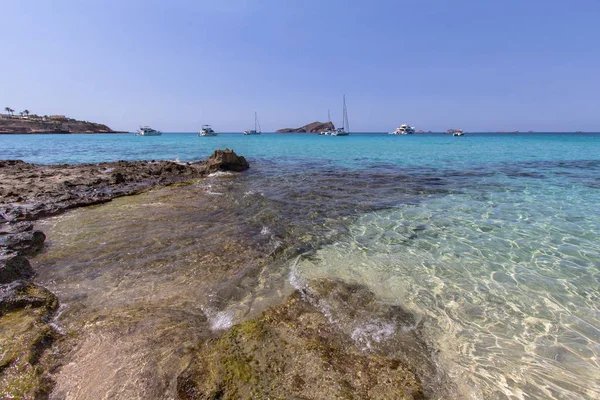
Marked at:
<point>29,192</point>
<point>292,350</point>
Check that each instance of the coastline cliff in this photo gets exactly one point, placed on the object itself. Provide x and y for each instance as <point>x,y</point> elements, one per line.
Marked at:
<point>313,127</point>
<point>52,124</point>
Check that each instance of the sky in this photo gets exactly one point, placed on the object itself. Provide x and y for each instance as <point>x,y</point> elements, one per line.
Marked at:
<point>479,65</point>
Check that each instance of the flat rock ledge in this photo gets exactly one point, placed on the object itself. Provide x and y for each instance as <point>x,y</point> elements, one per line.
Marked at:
<point>29,192</point>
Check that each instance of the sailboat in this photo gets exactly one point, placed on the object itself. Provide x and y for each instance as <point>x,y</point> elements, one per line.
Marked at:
<point>345,129</point>
<point>256,130</point>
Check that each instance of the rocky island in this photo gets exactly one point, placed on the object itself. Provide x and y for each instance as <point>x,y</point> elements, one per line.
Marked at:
<point>312,127</point>
<point>26,123</point>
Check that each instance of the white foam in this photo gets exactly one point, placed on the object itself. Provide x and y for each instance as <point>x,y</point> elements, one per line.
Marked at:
<point>374,331</point>
<point>221,173</point>
<point>219,320</point>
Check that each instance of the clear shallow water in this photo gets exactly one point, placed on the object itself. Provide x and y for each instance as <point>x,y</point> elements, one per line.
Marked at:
<point>490,240</point>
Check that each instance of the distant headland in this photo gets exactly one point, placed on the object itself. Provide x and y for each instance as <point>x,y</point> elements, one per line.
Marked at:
<point>313,127</point>
<point>26,122</point>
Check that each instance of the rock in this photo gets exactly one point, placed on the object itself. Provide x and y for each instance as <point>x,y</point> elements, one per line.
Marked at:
<point>226,160</point>
<point>293,351</point>
<point>14,267</point>
<point>25,310</point>
<point>20,294</point>
<point>313,127</point>
<point>17,227</point>
<point>30,191</point>
<point>118,178</point>
<point>25,243</point>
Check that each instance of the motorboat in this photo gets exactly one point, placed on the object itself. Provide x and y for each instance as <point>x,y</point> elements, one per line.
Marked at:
<point>458,132</point>
<point>207,131</point>
<point>147,131</point>
<point>404,129</point>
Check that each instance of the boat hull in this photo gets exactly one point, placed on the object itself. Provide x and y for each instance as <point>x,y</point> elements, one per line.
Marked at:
<point>148,134</point>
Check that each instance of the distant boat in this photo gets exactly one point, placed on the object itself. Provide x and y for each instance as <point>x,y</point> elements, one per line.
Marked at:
<point>345,129</point>
<point>207,131</point>
<point>328,131</point>
<point>458,132</point>
<point>256,130</point>
<point>404,129</point>
<point>147,131</point>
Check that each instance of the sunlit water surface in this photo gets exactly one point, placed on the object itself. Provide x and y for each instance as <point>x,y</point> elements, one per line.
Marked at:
<point>490,240</point>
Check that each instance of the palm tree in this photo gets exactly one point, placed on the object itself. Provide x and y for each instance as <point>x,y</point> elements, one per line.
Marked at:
<point>26,112</point>
<point>9,110</point>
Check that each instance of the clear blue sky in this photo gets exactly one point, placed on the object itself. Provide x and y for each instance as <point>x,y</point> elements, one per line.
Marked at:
<point>436,64</point>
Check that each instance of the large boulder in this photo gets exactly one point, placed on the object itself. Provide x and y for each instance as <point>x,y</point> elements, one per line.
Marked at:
<point>14,267</point>
<point>226,160</point>
<point>25,243</point>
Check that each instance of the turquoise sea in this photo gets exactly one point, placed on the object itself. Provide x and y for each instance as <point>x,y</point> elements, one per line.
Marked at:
<point>491,240</point>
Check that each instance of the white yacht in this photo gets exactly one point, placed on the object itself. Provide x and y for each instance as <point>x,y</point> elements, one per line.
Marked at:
<point>345,129</point>
<point>327,132</point>
<point>458,132</point>
<point>207,131</point>
<point>147,131</point>
<point>404,129</point>
<point>256,130</point>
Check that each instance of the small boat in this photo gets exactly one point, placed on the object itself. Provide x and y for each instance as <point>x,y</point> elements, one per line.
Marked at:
<point>207,131</point>
<point>147,131</point>
<point>328,131</point>
<point>458,132</point>
<point>404,129</point>
<point>256,130</point>
<point>345,129</point>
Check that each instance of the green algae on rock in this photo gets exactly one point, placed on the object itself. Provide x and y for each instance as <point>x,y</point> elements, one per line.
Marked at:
<point>292,351</point>
<point>25,309</point>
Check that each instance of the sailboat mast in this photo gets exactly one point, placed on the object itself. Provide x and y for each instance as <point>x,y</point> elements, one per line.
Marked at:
<point>255,122</point>
<point>345,123</point>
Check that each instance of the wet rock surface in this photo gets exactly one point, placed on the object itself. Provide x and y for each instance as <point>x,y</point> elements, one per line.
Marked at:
<point>293,351</point>
<point>23,243</point>
<point>30,191</point>
<point>14,267</point>
<point>25,310</point>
